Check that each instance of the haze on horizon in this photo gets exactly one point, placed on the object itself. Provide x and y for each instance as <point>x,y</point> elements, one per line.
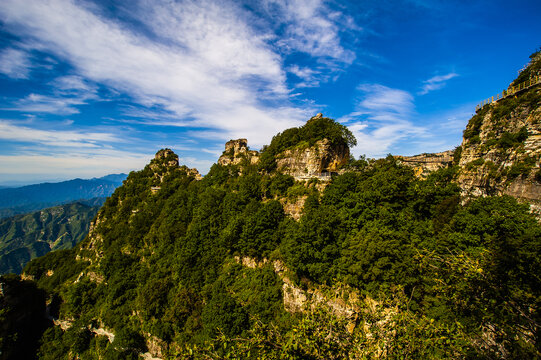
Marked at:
<point>91,88</point>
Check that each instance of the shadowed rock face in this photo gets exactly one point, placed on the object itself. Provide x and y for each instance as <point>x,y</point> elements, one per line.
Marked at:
<point>236,151</point>
<point>314,160</point>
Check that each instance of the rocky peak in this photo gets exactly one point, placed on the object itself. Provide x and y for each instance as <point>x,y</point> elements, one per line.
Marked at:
<point>236,146</point>
<point>236,151</point>
<point>165,157</point>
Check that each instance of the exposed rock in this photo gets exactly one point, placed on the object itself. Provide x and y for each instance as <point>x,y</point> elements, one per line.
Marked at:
<point>101,331</point>
<point>294,298</point>
<point>295,208</point>
<point>236,151</point>
<point>155,347</point>
<point>315,161</point>
<point>426,163</point>
<point>166,157</point>
<point>193,172</point>
<point>297,299</point>
<point>64,324</point>
<point>490,168</point>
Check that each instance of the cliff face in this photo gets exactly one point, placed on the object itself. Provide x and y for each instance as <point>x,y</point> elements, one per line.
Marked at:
<point>312,161</point>
<point>501,150</point>
<point>424,164</point>
<point>236,151</point>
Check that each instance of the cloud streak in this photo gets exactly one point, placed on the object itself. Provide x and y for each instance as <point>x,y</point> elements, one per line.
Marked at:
<point>436,82</point>
<point>382,119</point>
<point>209,69</point>
<point>15,63</point>
<point>58,138</point>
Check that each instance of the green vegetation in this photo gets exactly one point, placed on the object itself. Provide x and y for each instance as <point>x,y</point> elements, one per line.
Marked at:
<point>22,320</point>
<point>24,237</point>
<point>474,164</point>
<point>533,68</point>
<point>456,155</point>
<point>307,135</point>
<point>199,267</point>
<point>474,125</point>
<point>521,168</point>
<point>407,243</point>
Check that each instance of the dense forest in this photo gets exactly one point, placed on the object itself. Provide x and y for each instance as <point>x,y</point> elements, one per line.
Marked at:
<point>24,237</point>
<point>387,265</point>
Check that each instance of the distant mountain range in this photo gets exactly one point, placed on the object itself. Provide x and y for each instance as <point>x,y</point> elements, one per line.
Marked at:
<point>29,198</point>
<point>24,237</point>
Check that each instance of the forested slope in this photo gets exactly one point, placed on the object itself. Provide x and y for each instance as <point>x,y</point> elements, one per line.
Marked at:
<point>380,264</point>
<point>24,237</point>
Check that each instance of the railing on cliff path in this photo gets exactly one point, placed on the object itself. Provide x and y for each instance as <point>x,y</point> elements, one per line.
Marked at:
<point>304,176</point>
<point>512,90</point>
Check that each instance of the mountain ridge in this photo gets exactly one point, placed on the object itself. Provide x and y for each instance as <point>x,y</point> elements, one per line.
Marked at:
<point>179,266</point>
<point>29,198</point>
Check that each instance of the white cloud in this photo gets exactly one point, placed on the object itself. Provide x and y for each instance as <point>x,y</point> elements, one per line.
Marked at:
<point>15,63</point>
<point>309,77</point>
<point>208,67</point>
<point>384,101</point>
<point>436,82</point>
<point>47,104</point>
<point>382,120</point>
<point>68,92</point>
<point>73,84</point>
<point>312,27</point>
<point>57,138</point>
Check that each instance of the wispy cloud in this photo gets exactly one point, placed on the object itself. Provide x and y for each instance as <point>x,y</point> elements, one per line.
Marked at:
<point>36,103</point>
<point>65,95</point>
<point>435,83</point>
<point>15,63</point>
<point>57,138</point>
<point>309,77</point>
<point>208,65</point>
<point>382,119</point>
<point>387,103</point>
<point>312,27</point>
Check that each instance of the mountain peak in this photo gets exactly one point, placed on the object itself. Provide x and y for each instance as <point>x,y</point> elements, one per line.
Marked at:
<point>166,157</point>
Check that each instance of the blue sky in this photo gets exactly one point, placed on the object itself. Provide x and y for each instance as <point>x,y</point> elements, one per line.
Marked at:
<point>90,88</point>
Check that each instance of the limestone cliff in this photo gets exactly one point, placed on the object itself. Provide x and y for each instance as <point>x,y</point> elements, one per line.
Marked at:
<point>501,149</point>
<point>236,151</point>
<point>314,161</point>
<point>425,163</point>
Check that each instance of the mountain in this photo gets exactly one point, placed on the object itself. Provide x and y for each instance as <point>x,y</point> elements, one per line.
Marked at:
<point>24,237</point>
<point>300,252</point>
<point>501,147</point>
<point>39,196</point>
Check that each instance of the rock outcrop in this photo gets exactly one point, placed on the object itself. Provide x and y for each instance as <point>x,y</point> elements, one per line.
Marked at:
<point>426,163</point>
<point>294,208</point>
<point>164,157</point>
<point>501,150</point>
<point>315,161</point>
<point>236,151</point>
